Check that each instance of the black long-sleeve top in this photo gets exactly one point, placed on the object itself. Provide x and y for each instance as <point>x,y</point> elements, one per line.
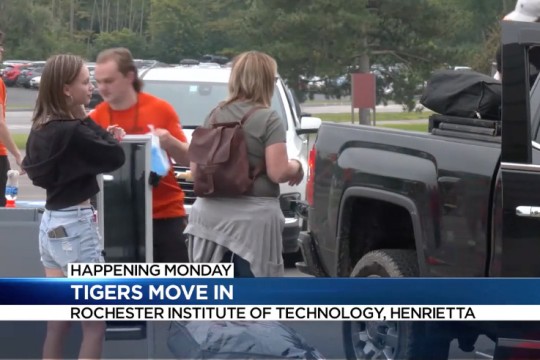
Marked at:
<point>64,157</point>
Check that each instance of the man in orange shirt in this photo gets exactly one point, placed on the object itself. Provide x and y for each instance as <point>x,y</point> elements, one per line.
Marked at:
<point>127,107</point>
<point>6,141</point>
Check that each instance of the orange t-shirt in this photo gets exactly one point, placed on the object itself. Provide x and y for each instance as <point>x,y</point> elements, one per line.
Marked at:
<point>168,198</point>
<point>3,96</point>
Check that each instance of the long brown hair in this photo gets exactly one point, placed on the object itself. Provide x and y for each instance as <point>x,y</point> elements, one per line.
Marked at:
<point>51,102</point>
<point>253,78</point>
<point>124,61</point>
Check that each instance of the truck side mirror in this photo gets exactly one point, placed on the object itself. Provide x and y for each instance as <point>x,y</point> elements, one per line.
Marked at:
<point>308,125</point>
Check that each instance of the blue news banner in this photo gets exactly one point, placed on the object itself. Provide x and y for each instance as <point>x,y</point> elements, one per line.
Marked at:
<point>269,299</point>
<point>272,291</point>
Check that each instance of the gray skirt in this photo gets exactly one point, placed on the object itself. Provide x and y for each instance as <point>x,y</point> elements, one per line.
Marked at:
<point>248,226</point>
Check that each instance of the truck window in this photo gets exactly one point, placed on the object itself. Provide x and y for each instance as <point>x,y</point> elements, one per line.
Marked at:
<point>534,68</point>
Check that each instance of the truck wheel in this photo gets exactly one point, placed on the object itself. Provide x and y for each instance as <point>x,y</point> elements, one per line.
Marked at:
<point>390,339</point>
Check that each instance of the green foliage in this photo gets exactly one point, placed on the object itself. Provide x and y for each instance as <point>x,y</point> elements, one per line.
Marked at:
<point>123,38</point>
<point>175,30</point>
<point>483,59</point>
<point>310,37</point>
<point>380,116</point>
<point>35,39</point>
<point>407,39</point>
<point>20,140</point>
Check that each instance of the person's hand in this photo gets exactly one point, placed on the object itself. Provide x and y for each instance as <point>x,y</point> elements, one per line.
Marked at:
<point>18,160</point>
<point>299,176</point>
<point>116,131</point>
<point>165,138</point>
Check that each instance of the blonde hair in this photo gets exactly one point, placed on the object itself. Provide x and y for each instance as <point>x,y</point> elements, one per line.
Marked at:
<point>59,70</point>
<point>124,60</point>
<point>253,78</point>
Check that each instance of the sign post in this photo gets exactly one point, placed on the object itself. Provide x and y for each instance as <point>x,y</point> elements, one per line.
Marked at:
<point>363,93</point>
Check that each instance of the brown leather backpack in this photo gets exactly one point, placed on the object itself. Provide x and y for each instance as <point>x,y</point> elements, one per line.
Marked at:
<point>220,153</point>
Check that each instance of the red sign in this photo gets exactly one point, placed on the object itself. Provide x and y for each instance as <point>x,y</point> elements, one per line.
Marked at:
<point>363,90</point>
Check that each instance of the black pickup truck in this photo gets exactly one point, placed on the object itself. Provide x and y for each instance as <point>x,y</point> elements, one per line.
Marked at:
<point>462,200</point>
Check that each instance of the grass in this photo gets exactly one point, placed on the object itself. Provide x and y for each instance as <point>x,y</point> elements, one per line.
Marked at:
<point>381,116</point>
<point>20,140</point>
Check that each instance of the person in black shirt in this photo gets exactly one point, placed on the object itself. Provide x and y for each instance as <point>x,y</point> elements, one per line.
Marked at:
<point>64,153</point>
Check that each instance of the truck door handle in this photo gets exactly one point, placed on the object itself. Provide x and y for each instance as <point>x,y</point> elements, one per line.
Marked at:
<point>127,332</point>
<point>528,211</point>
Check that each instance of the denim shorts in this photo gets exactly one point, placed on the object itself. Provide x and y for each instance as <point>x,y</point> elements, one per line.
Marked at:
<point>81,242</point>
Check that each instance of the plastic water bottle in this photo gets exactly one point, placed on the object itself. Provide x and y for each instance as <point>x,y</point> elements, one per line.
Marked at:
<point>12,188</point>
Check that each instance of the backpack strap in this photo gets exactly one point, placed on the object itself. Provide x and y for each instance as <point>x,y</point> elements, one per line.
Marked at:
<point>261,167</point>
<point>245,118</point>
<point>249,113</point>
<point>258,170</point>
<point>212,120</point>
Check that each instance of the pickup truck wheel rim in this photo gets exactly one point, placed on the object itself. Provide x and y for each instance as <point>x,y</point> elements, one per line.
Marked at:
<point>375,340</point>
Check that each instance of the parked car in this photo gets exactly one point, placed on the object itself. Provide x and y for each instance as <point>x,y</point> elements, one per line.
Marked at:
<point>35,81</point>
<point>147,64</point>
<point>34,69</point>
<point>96,96</point>
<point>218,59</point>
<point>194,90</point>
<point>11,73</point>
<point>461,201</point>
<point>15,62</point>
<point>91,67</point>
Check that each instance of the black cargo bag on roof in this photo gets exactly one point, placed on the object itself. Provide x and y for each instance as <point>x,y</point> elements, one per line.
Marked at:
<point>463,93</point>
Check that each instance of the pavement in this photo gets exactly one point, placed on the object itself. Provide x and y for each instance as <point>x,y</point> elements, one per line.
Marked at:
<point>20,98</point>
<point>19,122</point>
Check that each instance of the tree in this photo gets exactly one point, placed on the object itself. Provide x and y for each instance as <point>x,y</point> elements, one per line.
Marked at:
<point>306,37</point>
<point>405,48</point>
<point>475,29</point>
<point>329,38</point>
<point>405,40</point>
<point>123,38</point>
<point>27,38</point>
<point>175,30</point>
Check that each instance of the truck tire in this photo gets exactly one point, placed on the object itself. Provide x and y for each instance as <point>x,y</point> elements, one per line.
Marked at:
<point>391,339</point>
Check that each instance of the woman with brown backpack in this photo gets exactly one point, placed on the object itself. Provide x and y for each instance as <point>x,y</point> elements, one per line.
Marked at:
<point>238,159</point>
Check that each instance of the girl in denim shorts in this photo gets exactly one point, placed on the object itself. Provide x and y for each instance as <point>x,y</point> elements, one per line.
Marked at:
<point>65,152</point>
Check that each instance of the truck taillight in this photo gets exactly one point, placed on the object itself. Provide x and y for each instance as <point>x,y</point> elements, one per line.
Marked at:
<point>310,186</point>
